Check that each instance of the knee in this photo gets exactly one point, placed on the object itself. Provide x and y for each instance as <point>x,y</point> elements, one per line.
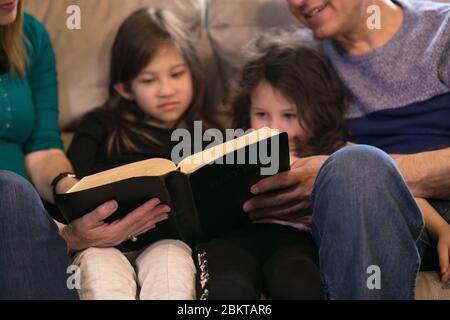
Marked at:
<point>354,177</point>
<point>103,264</point>
<point>172,252</point>
<point>20,202</point>
<point>356,171</point>
<point>166,271</point>
<point>15,188</point>
<point>106,274</point>
<point>353,166</point>
<point>294,274</point>
<point>93,257</point>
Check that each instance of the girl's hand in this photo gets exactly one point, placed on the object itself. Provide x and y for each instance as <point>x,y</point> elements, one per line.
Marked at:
<point>289,191</point>
<point>91,231</point>
<point>443,248</point>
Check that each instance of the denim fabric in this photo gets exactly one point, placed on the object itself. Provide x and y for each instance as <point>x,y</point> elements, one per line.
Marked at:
<point>365,217</point>
<point>33,257</point>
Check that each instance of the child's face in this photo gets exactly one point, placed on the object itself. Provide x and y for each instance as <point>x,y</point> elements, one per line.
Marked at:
<point>164,89</point>
<point>269,108</point>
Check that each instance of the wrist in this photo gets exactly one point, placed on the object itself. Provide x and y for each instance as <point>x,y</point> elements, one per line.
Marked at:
<point>73,242</point>
<point>411,173</point>
<point>442,229</point>
<point>63,182</point>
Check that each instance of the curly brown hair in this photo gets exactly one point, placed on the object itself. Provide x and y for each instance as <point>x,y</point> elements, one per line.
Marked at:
<point>296,67</point>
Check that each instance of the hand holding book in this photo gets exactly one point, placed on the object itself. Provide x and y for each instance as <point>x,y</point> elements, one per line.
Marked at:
<point>269,202</point>
<point>91,231</point>
<point>206,196</point>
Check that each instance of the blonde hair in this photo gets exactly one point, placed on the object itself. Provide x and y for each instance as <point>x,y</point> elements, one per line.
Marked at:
<point>13,44</point>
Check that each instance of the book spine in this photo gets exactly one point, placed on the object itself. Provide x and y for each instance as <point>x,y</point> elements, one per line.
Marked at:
<point>184,212</point>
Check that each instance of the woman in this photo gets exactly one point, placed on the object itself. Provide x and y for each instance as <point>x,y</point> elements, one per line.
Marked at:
<point>33,257</point>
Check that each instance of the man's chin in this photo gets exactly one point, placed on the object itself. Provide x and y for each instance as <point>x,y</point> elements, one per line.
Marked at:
<point>323,33</point>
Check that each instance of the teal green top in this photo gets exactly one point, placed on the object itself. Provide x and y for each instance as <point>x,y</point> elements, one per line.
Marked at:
<point>29,104</point>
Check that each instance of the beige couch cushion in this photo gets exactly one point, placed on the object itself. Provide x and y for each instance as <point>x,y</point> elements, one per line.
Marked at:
<point>430,287</point>
<point>83,55</point>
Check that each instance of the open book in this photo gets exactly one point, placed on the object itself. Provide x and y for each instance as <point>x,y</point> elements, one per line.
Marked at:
<point>206,190</point>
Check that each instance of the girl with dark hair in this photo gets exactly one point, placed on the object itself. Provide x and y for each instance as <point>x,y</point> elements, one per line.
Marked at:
<point>287,84</point>
<point>309,97</point>
<point>156,86</point>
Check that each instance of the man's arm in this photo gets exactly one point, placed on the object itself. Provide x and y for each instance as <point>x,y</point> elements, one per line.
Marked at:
<point>427,174</point>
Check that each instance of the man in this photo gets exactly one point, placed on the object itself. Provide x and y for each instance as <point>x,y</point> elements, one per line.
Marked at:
<point>366,223</point>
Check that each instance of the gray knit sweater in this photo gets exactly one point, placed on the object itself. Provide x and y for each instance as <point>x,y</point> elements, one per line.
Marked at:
<point>399,95</point>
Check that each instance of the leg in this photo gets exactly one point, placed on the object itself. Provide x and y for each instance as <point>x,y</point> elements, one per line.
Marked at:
<point>33,257</point>
<point>292,272</point>
<point>230,267</point>
<point>106,274</point>
<point>166,271</point>
<point>365,220</point>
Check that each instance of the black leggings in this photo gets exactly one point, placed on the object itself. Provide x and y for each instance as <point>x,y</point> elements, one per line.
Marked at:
<point>277,261</point>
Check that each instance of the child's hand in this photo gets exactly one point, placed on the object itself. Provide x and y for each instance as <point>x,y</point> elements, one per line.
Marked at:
<point>443,248</point>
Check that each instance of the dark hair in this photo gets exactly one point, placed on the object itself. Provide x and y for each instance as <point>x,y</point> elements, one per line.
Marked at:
<point>139,38</point>
<point>297,68</point>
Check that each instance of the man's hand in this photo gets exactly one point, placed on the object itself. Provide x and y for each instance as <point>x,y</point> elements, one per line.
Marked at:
<point>91,231</point>
<point>288,192</point>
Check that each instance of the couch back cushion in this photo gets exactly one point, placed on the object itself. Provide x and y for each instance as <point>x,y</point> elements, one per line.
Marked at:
<point>83,55</point>
<point>232,23</point>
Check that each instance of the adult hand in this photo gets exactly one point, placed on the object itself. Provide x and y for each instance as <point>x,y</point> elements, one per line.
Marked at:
<point>91,231</point>
<point>286,193</point>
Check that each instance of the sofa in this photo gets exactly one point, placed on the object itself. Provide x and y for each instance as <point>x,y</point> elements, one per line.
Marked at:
<point>220,28</point>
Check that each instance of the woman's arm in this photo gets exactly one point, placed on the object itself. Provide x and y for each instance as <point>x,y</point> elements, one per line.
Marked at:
<point>43,166</point>
<point>44,158</point>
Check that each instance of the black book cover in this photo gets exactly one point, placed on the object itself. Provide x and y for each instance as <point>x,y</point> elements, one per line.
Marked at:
<point>206,203</point>
<point>221,190</point>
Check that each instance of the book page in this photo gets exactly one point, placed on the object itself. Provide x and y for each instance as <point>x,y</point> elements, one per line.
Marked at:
<point>199,159</point>
<point>149,167</point>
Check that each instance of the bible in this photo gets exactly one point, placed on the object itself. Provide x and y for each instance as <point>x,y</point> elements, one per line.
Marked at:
<point>206,190</point>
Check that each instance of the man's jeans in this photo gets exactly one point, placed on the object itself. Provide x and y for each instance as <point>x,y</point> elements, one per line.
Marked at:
<point>367,226</point>
<point>33,257</point>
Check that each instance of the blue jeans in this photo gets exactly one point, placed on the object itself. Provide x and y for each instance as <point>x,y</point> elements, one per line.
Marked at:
<point>33,257</point>
<point>367,227</point>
